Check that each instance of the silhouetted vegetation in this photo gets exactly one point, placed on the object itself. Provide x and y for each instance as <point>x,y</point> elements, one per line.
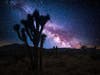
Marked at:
<point>83,47</point>
<point>32,28</point>
<point>56,50</point>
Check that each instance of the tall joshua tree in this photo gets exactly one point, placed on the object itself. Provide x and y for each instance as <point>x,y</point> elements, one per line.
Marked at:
<point>32,28</point>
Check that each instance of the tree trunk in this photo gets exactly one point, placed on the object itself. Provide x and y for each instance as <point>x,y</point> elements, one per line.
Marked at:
<point>30,55</point>
<point>41,59</point>
<point>36,60</point>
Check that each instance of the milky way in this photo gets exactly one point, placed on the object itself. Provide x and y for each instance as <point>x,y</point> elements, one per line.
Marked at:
<point>58,34</point>
<point>61,37</point>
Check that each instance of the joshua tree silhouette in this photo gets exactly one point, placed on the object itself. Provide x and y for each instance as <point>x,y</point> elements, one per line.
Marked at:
<point>32,28</point>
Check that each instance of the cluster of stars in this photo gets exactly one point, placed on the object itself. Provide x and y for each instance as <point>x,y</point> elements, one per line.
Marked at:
<point>59,36</point>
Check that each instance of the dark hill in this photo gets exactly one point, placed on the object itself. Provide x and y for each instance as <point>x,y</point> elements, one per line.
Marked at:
<point>14,60</point>
<point>13,49</point>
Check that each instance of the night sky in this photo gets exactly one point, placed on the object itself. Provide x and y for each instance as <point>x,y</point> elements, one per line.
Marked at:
<point>73,22</point>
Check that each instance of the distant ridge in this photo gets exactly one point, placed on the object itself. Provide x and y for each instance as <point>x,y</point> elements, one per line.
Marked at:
<point>21,49</point>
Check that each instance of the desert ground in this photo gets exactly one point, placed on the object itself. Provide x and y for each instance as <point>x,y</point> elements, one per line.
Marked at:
<point>60,64</point>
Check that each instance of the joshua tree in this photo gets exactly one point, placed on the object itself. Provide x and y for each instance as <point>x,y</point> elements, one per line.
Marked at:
<point>83,47</point>
<point>56,50</point>
<point>32,28</point>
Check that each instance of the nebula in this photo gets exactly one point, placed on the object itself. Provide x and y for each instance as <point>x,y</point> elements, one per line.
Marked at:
<point>59,35</point>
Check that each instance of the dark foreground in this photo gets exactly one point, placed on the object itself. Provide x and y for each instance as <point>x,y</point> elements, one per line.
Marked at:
<point>53,64</point>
